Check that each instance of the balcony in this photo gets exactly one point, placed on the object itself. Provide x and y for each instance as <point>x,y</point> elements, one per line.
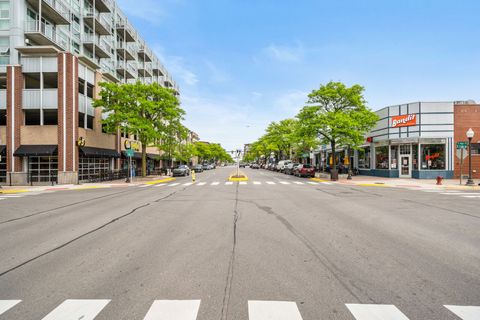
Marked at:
<point>36,99</point>
<point>124,29</point>
<point>54,10</point>
<point>126,50</point>
<point>158,69</point>
<point>44,35</point>
<point>128,70</point>
<point>103,5</point>
<point>145,69</point>
<point>145,53</point>
<point>97,46</point>
<point>98,22</point>
<point>108,69</point>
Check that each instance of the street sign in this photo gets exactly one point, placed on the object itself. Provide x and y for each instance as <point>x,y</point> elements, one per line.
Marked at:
<point>462,154</point>
<point>129,152</point>
<point>462,145</point>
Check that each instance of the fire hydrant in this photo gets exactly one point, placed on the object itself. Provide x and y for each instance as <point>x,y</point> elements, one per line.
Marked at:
<point>439,180</point>
<point>193,175</point>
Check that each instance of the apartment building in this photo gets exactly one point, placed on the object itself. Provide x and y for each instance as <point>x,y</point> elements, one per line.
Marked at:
<point>53,55</point>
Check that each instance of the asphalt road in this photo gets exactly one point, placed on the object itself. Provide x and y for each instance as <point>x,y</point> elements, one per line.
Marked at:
<point>319,247</point>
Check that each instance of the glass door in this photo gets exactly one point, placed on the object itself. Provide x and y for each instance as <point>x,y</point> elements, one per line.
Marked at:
<point>405,167</point>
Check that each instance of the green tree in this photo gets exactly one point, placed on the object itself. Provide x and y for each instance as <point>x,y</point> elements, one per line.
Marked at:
<point>338,115</point>
<point>146,110</point>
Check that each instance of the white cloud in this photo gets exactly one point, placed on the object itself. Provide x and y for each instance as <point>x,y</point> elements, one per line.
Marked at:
<point>285,53</point>
<point>177,67</point>
<point>291,102</point>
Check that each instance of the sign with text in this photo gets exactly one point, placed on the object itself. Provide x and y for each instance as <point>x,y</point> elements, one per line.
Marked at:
<point>462,145</point>
<point>406,120</point>
<point>130,152</point>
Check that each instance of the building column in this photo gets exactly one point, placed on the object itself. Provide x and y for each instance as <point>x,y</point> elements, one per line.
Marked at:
<point>14,123</point>
<point>67,118</point>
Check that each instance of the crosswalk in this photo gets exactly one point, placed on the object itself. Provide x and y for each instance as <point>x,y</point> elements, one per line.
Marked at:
<point>242,183</point>
<point>6,196</point>
<point>452,193</point>
<point>73,309</point>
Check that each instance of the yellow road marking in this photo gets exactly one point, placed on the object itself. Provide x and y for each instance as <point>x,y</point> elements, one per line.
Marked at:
<point>319,180</point>
<point>13,191</point>
<point>160,181</point>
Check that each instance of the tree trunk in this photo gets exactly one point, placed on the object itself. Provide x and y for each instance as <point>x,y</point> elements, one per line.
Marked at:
<point>144,159</point>
<point>333,170</point>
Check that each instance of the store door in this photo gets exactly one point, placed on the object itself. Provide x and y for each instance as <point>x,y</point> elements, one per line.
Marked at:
<point>405,167</point>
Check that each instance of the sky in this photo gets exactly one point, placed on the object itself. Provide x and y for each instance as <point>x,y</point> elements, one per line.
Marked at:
<point>242,64</point>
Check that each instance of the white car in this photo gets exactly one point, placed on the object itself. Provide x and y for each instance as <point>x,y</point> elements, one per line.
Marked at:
<point>281,165</point>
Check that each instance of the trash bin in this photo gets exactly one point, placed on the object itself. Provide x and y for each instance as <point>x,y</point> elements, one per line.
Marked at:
<point>439,180</point>
<point>334,174</point>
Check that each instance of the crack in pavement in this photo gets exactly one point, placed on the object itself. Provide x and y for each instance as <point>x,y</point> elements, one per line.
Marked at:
<point>324,260</point>
<point>228,285</point>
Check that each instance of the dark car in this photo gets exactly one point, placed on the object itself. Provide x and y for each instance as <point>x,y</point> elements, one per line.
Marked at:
<point>242,165</point>
<point>304,170</point>
<point>197,168</point>
<point>181,170</point>
<point>255,166</point>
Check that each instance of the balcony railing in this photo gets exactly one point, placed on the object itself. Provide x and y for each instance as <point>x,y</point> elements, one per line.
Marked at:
<point>103,25</point>
<point>54,10</point>
<point>36,98</point>
<point>60,7</point>
<point>48,32</point>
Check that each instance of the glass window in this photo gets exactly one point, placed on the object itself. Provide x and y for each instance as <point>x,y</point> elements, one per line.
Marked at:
<point>32,117</point>
<point>394,156</point>
<point>415,156</point>
<point>433,156</point>
<point>93,168</point>
<point>364,158</point>
<point>89,122</point>
<point>4,50</point>
<point>50,117</point>
<point>81,120</point>
<point>43,169</point>
<point>3,117</point>
<point>475,148</point>
<point>4,15</point>
<point>381,157</point>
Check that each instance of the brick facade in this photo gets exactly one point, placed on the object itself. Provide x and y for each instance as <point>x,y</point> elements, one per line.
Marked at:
<point>465,117</point>
<point>14,116</point>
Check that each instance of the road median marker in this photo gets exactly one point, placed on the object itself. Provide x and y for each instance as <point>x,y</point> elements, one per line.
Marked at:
<point>161,181</point>
<point>318,180</point>
<point>13,191</point>
<point>238,177</point>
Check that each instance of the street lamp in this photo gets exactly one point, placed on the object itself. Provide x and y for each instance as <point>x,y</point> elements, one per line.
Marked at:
<point>470,134</point>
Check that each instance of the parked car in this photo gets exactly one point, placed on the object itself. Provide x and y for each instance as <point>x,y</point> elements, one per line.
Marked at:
<point>181,170</point>
<point>271,166</point>
<point>198,168</point>
<point>304,170</point>
<point>255,166</point>
<point>242,164</point>
<point>290,167</point>
<point>281,165</point>
<point>205,166</point>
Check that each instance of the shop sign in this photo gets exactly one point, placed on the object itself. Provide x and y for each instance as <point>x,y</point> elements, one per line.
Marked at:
<point>81,142</point>
<point>134,145</point>
<point>407,120</point>
<point>432,156</point>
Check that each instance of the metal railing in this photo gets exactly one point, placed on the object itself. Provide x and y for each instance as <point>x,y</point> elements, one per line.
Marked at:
<point>47,30</point>
<point>90,12</point>
<point>60,7</point>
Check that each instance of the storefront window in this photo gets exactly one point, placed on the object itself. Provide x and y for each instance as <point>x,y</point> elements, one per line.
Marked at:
<point>92,168</point>
<point>415,156</point>
<point>381,157</point>
<point>364,158</point>
<point>394,157</point>
<point>42,169</point>
<point>433,157</point>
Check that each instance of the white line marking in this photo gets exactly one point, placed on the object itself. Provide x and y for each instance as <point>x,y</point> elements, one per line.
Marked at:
<point>243,182</point>
<point>216,183</point>
<point>297,182</point>
<point>470,196</point>
<point>173,184</point>
<point>273,310</point>
<point>228,183</point>
<point>173,310</point>
<point>188,184</point>
<point>3,199</point>
<point>7,304</point>
<point>465,312</point>
<point>326,183</point>
<point>310,182</point>
<point>11,196</point>
<point>462,193</point>
<point>375,312</point>
<point>270,182</point>
<point>284,182</point>
<point>201,183</point>
<point>145,186</point>
<point>77,309</point>
<point>160,185</point>
<point>257,182</point>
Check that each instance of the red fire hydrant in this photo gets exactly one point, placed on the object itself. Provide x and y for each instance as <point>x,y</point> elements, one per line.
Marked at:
<point>439,180</point>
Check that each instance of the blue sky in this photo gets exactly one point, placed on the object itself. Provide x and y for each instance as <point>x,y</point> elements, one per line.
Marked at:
<point>241,64</point>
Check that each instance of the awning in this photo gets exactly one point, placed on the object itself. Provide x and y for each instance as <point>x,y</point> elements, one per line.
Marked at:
<point>98,152</point>
<point>153,156</point>
<point>35,150</point>
<point>3,150</point>
<point>136,155</point>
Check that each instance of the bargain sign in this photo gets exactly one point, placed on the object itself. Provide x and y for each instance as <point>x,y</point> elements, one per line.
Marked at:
<point>406,120</point>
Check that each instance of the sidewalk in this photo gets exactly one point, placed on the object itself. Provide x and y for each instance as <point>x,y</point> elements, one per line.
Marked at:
<point>401,183</point>
<point>85,186</point>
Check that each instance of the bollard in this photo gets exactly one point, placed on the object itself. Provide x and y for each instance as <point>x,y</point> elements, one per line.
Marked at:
<point>439,180</point>
<point>193,176</point>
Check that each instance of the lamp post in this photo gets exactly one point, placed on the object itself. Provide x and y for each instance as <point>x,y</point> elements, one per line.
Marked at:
<point>470,134</point>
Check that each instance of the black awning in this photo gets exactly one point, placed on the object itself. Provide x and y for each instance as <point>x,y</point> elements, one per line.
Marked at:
<point>136,155</point>
<point>3,150</point>
<point>35,150</point>
<point>153,156</point>
<point>98,152</point>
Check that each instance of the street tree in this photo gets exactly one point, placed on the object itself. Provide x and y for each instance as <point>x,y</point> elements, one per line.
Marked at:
<point>146,110</point>
<point>338,115</point>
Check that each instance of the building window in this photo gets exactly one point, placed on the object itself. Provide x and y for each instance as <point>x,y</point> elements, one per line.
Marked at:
<point>433,156</point>
<point>381,157</point>
<point>475,148</point>
<point>50,117</point>
<point>415,156</point>
<point>81,120</point>
<point>91,168</point>
<point>32,117</point>
<point>42,169</point>
<point>3,117</point>
<point>4,50</point>
<point>364,158</point>
<point>394,156</point>
<point>89,122</point>
<point>4,15</point>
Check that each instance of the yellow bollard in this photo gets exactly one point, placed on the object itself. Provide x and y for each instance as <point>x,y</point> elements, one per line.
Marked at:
<point>193,175</point>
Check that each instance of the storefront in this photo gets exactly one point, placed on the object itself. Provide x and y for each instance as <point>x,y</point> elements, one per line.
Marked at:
<point>410,141</point>
<point>95,163</point>
<point>40,162</point>
<point>3,164</point>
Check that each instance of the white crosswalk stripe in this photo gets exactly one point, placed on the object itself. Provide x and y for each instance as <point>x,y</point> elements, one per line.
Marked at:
<point>228,183</point>
<point>376,312</point>
<point>327,183</point>
<point>188,184</point>
<point>284,182</point>
<point>273,310</point>
<point>201,184</point>
<point>160,185</point>
<point>257,182</point>
<point>7,304</point>
<point>145,186</point>
<point>173,184</point>
<point>465,312</point>
<point>173,310</point>
<point>297,182</point>
<point>243,182</point>
<point>313,183</point>
<point>216,183</point>
<point>77,309</point>
<point>478,196</point>
<point>270,182</point>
